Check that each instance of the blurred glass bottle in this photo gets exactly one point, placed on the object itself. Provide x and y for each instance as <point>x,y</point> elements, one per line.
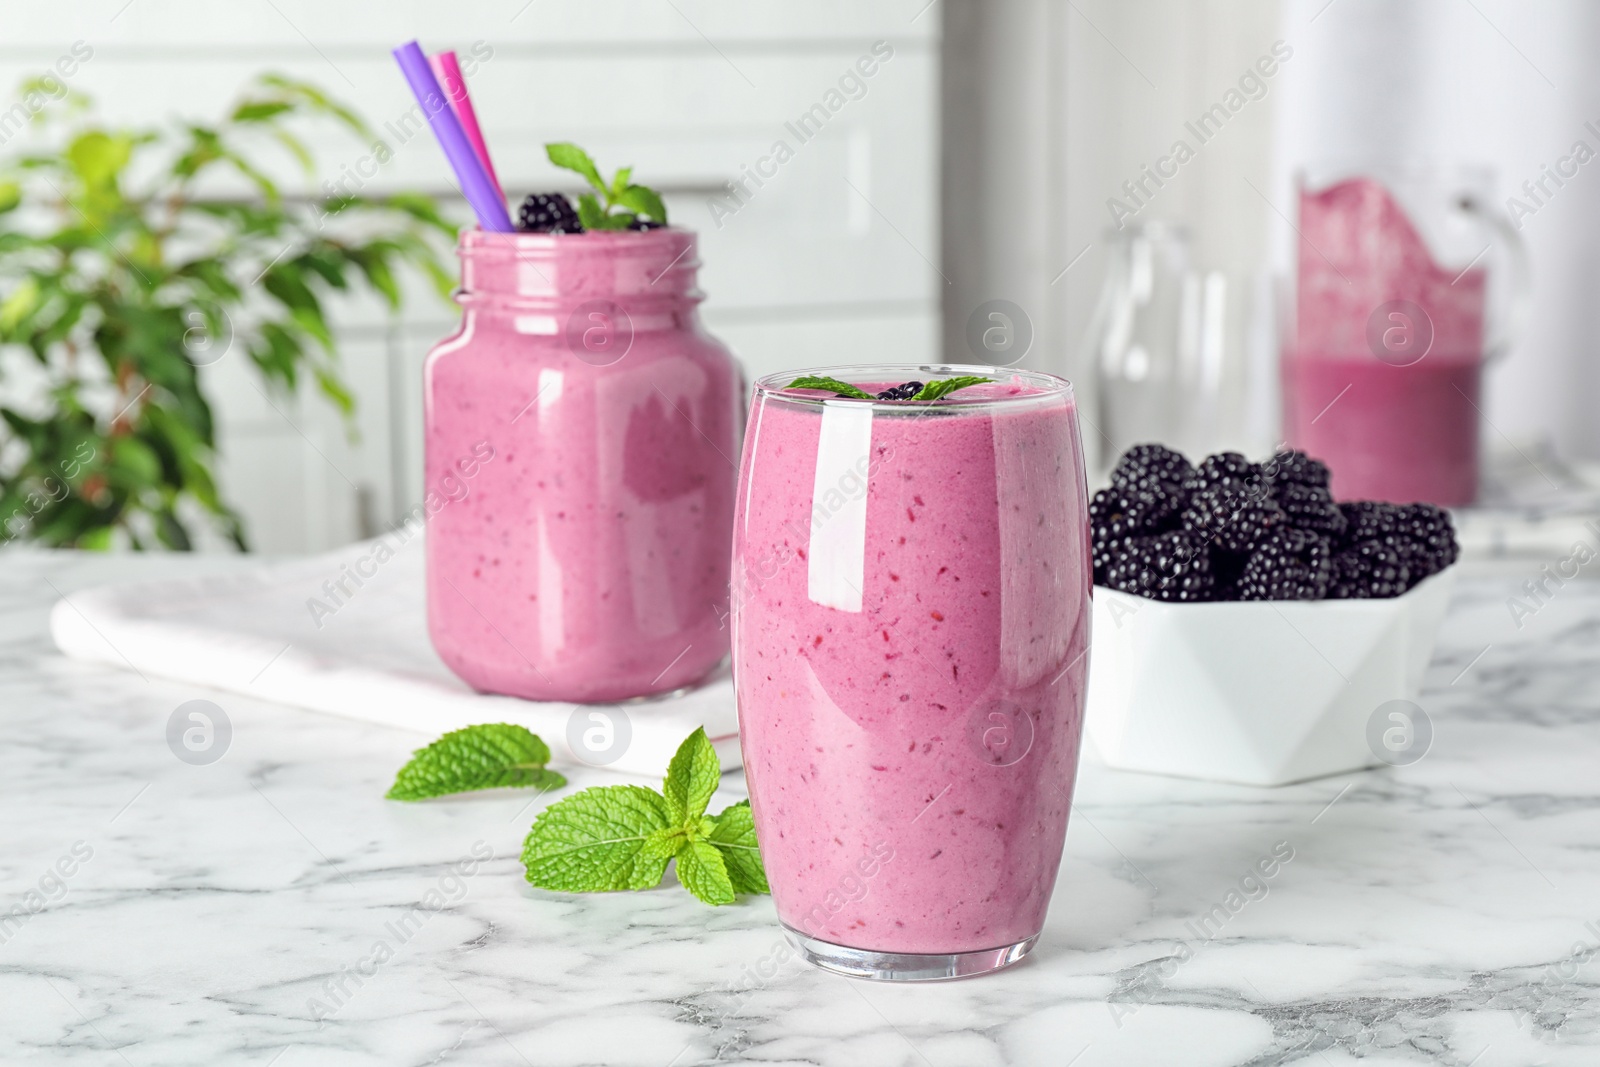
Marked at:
<point>1183,356</point>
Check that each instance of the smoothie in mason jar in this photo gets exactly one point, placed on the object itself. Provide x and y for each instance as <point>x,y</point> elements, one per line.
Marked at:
<point>581,431</point>
<point>911,617</point>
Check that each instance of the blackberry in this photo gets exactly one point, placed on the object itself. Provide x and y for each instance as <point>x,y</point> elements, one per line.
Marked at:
<point>1173,566</point>
<point>1151,466</point>
<point>1369,519</point>
<point>1116,513</point>
<point>1226,570</point>
<point>1431,539</point>
<point>903,391</point>
<point>1103,553</point>
<point>1291,564</point>
<point>1297,468</point>
<point>548,213</point>
<point>1310,508</point>
<point>1232,515</point>
<point>1369,569</point>
<point>1223,466</point>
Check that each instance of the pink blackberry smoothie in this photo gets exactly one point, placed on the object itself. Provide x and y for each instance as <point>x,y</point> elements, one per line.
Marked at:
<point>581,429</point>
<point>1382,379</point>
<point>910,622</point>
<point>1401,434</point>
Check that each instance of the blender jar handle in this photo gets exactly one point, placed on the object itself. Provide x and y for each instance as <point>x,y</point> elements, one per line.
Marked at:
<point>1505,234</point>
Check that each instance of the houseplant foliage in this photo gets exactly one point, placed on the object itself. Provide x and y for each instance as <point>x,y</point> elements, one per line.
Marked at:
<point>129,259</point>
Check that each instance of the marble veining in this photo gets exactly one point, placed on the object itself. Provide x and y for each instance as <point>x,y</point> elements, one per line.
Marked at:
<point>272,909</point>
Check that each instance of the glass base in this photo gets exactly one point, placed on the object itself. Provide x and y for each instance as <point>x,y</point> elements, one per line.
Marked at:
<point>905,966</point>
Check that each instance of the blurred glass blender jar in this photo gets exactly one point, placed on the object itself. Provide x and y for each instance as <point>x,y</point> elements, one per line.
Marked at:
<point>1407,282</point>
<point>1183,356</point>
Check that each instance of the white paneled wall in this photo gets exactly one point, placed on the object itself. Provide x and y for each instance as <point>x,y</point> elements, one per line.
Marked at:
<point>1049,107</point>
<point>808,271</point>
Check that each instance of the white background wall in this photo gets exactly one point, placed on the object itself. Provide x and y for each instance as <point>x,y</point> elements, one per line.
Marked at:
<point>808,272</point>
<point>1052,107</point>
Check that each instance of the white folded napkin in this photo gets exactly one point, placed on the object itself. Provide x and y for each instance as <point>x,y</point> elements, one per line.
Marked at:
<point>254,632</point>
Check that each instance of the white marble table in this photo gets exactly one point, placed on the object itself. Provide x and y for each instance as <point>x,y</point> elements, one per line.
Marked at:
<point>1443,912</point>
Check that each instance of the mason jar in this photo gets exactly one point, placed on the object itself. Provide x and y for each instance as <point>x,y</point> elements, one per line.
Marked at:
<point>582,429</point>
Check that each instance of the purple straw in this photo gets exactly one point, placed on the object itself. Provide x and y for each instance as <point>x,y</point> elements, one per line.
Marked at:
<point>476,185</point>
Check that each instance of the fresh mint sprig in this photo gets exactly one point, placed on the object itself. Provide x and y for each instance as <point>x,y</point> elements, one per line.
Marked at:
<point>935,390</point>
<point>813,381</point>
<point>930,391</point>
<point>614,837</point>
<point>623,201</point>
<point>486,756</point>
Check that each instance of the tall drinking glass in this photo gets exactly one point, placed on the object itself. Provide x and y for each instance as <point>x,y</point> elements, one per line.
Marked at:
<point>910,623</point>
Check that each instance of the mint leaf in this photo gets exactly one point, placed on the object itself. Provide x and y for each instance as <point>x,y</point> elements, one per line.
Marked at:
<point>643,200</point>
<point>486,756</point>
<point>935,390</point>
<point>590,213</point>
<point>571,157</point>
<point>600,840</point>
<point>666,842</point>
<point>812,381</point>
<point>692,776</point>
<point>621,193</point>
<point>623,836</point>
<point>735,837</point>
<point>619,182</point>
<point>702,872</point>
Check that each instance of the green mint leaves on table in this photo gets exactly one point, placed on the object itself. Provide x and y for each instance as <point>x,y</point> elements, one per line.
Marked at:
<point>487,756</point>
<point>613,837</point>
<point>930,391</point>
<point>618,202</point>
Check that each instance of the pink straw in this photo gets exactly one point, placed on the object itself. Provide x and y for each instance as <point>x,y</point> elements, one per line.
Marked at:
<point>448,72</point>
<point>487,202</point>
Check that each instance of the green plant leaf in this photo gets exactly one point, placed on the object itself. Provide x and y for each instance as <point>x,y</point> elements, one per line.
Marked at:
<point>703,873</point>
<point>619,182</point>
<point>317,101</point>
<point>692,776</point>
<point>599,840</point>
<point>571,157</point>
<point>486,756</point>
<point>590,213</point>
<point>260,110</point>
<point>98,157</point>
<point>134,462</point>
<point>813,381</point>
<point>735,837</point>
<point>644,201</point>
<point>621,220</point>
<point>102,284</point>
<point>374,265</point>
<point>935,390</point>
<point>18,304</point>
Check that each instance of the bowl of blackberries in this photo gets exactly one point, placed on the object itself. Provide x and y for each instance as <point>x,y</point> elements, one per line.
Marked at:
<point>1250,628</point>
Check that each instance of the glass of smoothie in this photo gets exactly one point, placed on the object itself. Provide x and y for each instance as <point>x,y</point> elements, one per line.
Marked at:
<point>581,433</point>
<point>910,623</point>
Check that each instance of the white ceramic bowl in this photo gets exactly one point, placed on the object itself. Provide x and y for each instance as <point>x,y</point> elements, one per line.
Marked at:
<point>1258,692</point>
